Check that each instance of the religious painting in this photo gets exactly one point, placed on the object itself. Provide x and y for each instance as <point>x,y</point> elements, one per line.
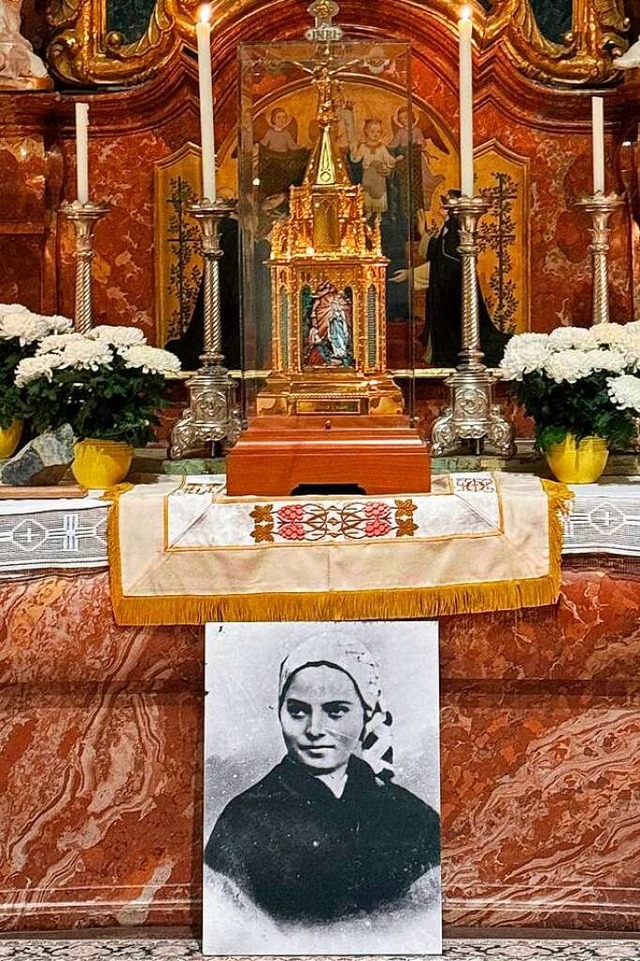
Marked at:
<point>327,334</point>
<point>405,157</point>
<point>387,147</point>
<point>321,823</point>
<point>178,267</point>
<point>502,179</point>
<point>179,292</point>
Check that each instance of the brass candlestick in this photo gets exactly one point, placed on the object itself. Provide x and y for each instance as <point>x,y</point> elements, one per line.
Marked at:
<point>213,413</point>
<point>472,415</point>
<point>600,207</point>
<point>84,217</point>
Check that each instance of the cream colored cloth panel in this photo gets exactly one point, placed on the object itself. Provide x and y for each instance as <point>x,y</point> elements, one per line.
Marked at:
<point>489,537</point>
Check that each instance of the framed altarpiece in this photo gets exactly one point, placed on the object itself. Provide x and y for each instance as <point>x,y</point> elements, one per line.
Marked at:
<point>395,147</point>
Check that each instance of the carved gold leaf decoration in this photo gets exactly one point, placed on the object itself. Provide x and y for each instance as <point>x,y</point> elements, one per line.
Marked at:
<point>83,51</point>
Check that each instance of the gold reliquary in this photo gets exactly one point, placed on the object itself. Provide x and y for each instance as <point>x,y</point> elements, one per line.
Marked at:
<point>327,271</point>
<point>324,223</point>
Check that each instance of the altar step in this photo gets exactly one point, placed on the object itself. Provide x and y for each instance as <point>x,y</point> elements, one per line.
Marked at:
<point>171,949</point>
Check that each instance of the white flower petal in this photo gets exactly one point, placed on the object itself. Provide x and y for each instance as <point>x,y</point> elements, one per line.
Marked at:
<point>151,360</point>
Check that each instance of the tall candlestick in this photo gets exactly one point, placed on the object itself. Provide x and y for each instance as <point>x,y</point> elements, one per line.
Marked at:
<point>597,126</point>
<point>82,151</point>
<point>203,35</point>
<point>466,104</point>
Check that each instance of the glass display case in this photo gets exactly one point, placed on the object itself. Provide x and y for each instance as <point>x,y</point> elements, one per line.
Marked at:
<point>330,199</point>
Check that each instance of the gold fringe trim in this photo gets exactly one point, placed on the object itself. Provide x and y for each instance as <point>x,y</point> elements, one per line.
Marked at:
<point>559,499</point>
<point>387,604</point>
<point>113,493</point>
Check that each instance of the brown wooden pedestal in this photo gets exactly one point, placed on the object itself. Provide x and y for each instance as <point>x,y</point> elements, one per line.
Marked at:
<point>278,454</point>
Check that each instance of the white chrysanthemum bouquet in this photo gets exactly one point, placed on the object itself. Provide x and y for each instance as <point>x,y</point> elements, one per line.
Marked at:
<point>108,384</point>
<point>20,332</point>
<point>579,381</point>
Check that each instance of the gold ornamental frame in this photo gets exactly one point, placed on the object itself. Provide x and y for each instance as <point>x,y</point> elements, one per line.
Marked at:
<point>83,51</point>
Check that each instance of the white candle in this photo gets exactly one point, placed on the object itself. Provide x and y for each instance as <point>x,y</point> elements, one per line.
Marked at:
<point>597,126</point>
<point>466,104</point>
<point>203,35</point>
<point>82,151</point>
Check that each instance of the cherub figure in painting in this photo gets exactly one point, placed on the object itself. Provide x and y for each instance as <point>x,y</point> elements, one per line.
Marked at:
<point>377,163</point>
<point>281,160</point>
<point>279,136</point>
<point>412,140</point>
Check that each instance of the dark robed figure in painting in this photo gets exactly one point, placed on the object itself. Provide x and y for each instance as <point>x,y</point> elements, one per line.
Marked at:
<point>443,327</point>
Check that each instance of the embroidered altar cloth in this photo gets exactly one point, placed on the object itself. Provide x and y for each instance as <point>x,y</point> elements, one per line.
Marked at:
<point>182,551</point>
<point>605,518</point>
<point>60,534</point>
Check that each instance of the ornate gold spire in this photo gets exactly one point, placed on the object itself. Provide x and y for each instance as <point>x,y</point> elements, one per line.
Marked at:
<point>326,168</point>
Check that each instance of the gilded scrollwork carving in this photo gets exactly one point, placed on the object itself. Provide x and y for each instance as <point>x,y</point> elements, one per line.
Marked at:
<point>597,36</point>
<point>83,50</point>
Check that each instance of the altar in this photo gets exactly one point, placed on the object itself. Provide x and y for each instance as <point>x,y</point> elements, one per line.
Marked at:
<point>538,721</point>
<point>392,261</point>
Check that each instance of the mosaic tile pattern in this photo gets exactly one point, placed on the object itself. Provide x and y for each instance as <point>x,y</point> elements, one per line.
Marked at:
<point>189,950</point>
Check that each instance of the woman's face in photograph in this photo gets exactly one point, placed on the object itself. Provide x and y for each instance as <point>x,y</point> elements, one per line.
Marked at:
<point>322,718</point>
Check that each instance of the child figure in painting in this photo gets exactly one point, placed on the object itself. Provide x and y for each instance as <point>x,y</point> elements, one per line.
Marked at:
<point>278,137</point>
<point>409,139</point>
<point>377,166</point>
<point>402,134</point>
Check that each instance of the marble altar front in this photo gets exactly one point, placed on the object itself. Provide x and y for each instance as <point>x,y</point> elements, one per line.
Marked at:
<point>101,759</point>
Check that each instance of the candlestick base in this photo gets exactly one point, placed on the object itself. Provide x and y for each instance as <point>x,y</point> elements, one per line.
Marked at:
<point>213,413</point>
<point>600,206</point>
<point>84,217</point>
<point>471,417</point>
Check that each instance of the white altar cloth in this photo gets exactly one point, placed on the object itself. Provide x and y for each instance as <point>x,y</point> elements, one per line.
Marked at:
<point>66,533</point>
<point>41,535</point>
<point>605,518</point>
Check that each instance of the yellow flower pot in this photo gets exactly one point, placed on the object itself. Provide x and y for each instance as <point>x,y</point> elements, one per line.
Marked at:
<point>10,438</point>
<point>101,463</point>
<point>581,464</point>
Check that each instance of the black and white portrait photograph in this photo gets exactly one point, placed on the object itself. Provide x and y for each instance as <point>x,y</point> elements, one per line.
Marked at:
<point>321,815</point>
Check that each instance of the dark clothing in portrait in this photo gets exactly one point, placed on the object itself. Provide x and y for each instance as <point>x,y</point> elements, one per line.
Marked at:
<point>444,305</point>
<point>301,853</point>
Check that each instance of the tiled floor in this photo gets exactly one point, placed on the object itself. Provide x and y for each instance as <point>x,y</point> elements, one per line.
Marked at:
<point>168,949</point>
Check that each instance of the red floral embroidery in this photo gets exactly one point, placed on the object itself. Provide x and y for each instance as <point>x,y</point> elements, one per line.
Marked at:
<point>377,527</point>
<point>292,532</point>
<point>291,512</point>
<point>316,522</point>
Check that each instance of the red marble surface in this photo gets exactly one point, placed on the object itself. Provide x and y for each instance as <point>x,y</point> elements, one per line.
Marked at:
<point>22,218</point>
<point>100,761</point>
<point>101,744</point>
<point>22,184</point>
<point>21,272</point>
